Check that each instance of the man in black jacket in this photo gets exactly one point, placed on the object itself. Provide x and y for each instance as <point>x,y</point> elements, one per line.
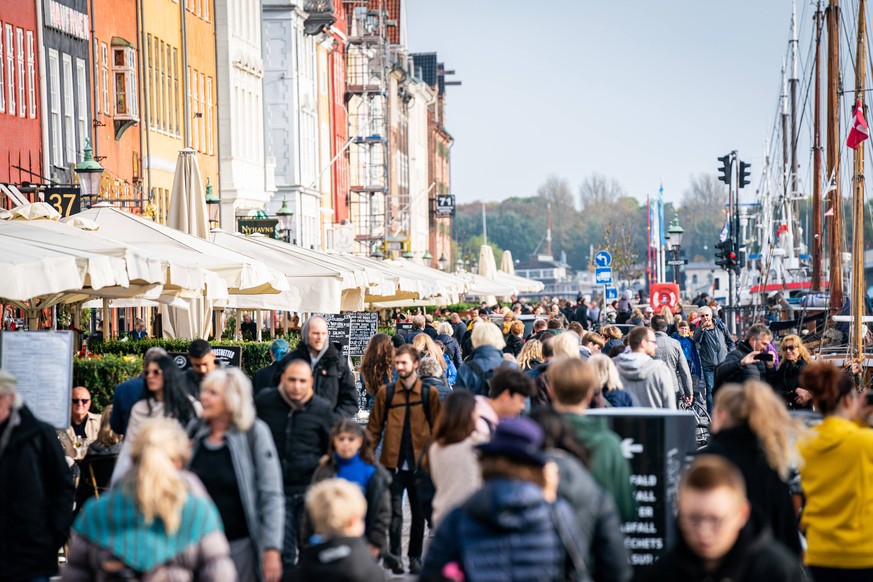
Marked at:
<point>333,380</point>
<point>300,422</point>
<point>719,539</point>
<point>36,491</point>
<point>742,363</point>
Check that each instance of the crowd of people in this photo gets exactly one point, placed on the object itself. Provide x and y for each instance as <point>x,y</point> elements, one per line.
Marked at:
<point>477,428</point>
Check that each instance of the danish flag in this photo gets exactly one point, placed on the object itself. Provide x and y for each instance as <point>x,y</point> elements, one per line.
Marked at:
<point>859,131</point>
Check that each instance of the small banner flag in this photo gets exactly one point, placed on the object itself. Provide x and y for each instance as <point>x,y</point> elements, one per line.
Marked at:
<point>859,131</point>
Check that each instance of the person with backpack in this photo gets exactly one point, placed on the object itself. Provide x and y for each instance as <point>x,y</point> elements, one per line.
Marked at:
<point>487,354</point>
<point>713,344</point>
<point>402,419</point>
<point>234,456</point>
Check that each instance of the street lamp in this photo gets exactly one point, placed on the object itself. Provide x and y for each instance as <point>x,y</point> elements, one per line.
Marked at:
<point>285,216</point>
<point>459,265</point>
<point>675,233</point>
<point>90,173</point>
<point>376,250</point>
<point>427,256</point>
<point>213,204</point>
<point>443,262</point>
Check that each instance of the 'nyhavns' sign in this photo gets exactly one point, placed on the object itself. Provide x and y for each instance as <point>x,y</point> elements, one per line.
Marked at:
<point>264,226</point>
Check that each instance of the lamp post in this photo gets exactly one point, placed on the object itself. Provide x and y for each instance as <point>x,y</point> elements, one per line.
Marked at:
<point>213,205</point>
<point>427,257</point>
<point>443,262</point>
<point>459,265</point>
<point>90,173</point>
<point>675,233</point>
<point>286,217</point>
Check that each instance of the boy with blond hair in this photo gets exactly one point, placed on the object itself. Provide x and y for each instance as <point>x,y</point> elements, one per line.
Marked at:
<point>338,552</point>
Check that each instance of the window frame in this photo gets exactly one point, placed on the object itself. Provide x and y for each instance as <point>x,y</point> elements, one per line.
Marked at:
<point>10,71</point>
<point>127,70</point>
<point>31,74</point>
<point>68,109</point>
<point>22,89</point>
<point>55,114</point>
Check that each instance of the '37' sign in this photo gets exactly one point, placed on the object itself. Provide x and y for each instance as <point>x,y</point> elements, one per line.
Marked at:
<point>65,200</point>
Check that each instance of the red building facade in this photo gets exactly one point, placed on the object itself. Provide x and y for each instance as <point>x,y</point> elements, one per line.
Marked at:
<point>339,120</point>
<point>20,107</point>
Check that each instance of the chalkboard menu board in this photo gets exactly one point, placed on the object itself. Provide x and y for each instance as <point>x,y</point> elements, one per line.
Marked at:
<point>229,356</point>
<point>404,329</point>
<point>42,363</point>
<point>658,444</point>
<point>351,330</point>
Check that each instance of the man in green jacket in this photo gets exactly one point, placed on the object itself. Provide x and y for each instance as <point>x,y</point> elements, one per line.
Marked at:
<point>574,384</point>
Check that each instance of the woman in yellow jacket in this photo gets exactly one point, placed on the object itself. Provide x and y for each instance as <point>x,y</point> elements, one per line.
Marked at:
<point>837,478</point>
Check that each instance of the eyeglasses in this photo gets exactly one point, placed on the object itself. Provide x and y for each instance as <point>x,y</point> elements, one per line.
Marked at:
<point>81,400</point>
<point>154,372</point>
<point>706,315</point>
<point>792,348</point>
<point>694,521</point>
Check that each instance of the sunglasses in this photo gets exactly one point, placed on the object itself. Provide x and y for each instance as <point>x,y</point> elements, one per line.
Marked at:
<point>154,372</point>
<point>81,400</point>
<point>791,348</point>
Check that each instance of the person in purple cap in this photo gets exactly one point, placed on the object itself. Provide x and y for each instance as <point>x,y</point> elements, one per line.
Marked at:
<point>514,527</point>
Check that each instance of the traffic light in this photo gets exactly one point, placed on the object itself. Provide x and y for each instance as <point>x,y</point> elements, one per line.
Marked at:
<point>726,255</point>
<point>745,169</point>
<point>725,169</point>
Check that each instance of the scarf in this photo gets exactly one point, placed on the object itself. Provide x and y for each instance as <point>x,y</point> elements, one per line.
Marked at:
<point>304,333</point>
<point>355,470</point>
<point>115,524</point>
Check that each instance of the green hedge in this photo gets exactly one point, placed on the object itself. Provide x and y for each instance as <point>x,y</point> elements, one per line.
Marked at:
<point>255,355</point>
<point>101,376</point>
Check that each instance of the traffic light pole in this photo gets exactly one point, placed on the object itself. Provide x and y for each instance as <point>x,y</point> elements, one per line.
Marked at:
<point>733,194</point>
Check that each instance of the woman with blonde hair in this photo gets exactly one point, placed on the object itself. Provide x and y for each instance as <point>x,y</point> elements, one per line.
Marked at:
<point>610,382</point>
<point>158,523</point>
<point>234,455</point>
<point>531,355</point>
<point>427,347</point>
<point>785,380</point>
<point>752,428</point>
<point>612,335</point>
<point>566,345</point>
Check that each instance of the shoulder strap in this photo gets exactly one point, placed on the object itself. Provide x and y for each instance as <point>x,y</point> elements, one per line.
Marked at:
<point>574,557</point>
<point>389,399</point>
<point>479,372</point>
<point>425,402</point>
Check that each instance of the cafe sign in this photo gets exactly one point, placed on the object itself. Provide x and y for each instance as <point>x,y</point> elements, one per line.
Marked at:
<point>264,226</point>
<point>68,20</point>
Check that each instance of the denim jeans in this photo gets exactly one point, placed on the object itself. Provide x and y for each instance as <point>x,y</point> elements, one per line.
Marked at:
<point>709,382</point>
<point>294,509</point>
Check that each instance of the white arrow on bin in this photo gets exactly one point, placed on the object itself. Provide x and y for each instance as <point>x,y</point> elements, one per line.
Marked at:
<point>629,447</point>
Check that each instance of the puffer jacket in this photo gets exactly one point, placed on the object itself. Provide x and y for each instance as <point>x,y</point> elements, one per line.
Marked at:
<point>36,499</point>
<point>597,517</point>
<point>453,349</point>
<point>689,348</point>
<point>647,380</point>
<point>505,531</point>
<point>332,379</point>
<point>487,358</point>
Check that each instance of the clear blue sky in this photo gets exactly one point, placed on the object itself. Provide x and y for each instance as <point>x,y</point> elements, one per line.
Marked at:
<point>637,90</point>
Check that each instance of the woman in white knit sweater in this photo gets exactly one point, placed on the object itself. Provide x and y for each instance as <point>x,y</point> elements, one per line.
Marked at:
<point>454,466</point>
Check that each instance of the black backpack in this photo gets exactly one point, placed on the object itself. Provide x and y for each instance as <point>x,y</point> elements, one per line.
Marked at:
<point>425,402</point>
<point>484,377</point>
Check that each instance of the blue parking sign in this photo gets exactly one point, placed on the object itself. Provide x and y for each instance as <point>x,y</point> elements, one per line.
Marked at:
<point>611,293</point>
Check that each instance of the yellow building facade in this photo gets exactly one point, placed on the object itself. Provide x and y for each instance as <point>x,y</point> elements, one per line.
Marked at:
<point>178,79</point>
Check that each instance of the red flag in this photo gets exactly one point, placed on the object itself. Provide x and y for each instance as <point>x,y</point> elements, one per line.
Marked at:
<point>859,131</point>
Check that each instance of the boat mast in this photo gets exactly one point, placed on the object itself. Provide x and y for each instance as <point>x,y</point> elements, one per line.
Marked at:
<point>791,201</point>
<point>858,191</point>
<point>816,158</point>
<point>833,158</point>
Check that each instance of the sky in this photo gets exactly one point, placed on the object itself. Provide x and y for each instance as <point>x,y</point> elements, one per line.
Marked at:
<point>638,90</point>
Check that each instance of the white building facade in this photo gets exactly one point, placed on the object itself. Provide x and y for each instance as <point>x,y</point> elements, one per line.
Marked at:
<point>291,117</point>
<point>243,183</point>
<point>419,188</point>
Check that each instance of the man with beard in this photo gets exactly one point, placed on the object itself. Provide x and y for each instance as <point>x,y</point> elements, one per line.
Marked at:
<point>333,380</point>
<point>403,415</point>
<point>300,422</point>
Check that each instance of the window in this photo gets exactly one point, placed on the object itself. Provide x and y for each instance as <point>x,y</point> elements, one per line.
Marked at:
<point>10,69</point>
<point>209,115</point>
<point>202,110</point>
<point>19,44</point>
<point>104,76</point>
<point>150,82</point>
<point>31,75</point>
<point>55,98</point>
<point>81,94</point>
<point>124,74</point>
<point>176,92</point>
<point>206,10</point>
<point>2,75</point>
<point>170,118</point>
<point>159,84</point>
<point>193,106</point>
<point>69,125</point>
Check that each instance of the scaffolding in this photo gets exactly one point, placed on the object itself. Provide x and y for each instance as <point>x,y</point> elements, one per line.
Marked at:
<point>367,101</point>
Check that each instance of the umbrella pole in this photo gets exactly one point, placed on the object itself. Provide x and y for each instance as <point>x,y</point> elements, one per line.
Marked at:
<point>259,324</point>
<point>272,324</point>
<point>285,323</point>
<point>237,333</point>
<point>106,329</point>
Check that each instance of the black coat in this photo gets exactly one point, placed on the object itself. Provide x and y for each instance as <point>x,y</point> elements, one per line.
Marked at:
<point>768,493</point>
<point>264,378</point>
<point>378,496</point>
<point>301,436</point>
<point>36,500</point>
<point>581,315</point>
<point>513,345</point>
<point>332,378</point>
<point>755,557</point>
<point>785,380</point>
<point>337,560</point>
<point>460,330</point>
<point>453,349</point>
<point>730,370</point>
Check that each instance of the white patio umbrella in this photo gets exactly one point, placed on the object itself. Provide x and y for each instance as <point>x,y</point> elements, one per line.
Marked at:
<point>523,284</point>
<point>487,269</point>
<point>506,264</point>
